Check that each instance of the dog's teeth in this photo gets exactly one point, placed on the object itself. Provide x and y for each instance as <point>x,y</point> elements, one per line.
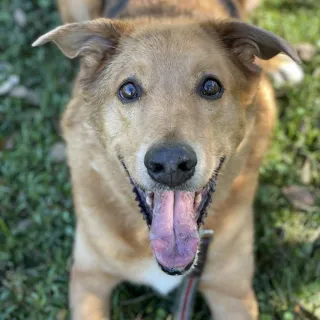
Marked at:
<point>198,199</point>
<point>149,202</point>
<point>149,199</point>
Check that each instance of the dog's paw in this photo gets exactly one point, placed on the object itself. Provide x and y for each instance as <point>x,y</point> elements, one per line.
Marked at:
<point>283,70</point>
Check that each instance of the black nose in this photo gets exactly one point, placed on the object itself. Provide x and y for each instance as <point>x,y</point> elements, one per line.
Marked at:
<point>171,164</point>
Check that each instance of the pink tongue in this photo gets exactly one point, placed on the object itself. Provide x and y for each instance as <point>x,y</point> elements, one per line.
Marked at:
<point>174,233</point>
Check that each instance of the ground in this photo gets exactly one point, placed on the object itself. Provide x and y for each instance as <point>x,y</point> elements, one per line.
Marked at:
<point>36,212</point>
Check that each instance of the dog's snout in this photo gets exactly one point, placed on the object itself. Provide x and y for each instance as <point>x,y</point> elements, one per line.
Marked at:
<point>171,164</point>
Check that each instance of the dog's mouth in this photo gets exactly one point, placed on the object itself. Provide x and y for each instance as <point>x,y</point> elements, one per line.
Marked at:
<point>174,219</point>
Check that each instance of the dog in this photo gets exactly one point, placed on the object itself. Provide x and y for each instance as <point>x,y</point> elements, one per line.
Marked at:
<point>281,69</point>
<point>170,111</point>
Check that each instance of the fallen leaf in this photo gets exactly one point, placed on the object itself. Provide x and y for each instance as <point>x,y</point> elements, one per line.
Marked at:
<point>7,85</point>
<point>306,51</point>
<point>305,174</point>
<point>20,18</point>
<point>22,92</point>
<point>299,196</point>
<point>58,152</point>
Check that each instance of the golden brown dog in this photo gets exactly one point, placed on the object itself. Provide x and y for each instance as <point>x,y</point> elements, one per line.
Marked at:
<point>168,106</point>
<point>281,69</point>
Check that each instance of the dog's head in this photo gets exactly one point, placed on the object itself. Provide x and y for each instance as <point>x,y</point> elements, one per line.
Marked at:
<point>172,102</point>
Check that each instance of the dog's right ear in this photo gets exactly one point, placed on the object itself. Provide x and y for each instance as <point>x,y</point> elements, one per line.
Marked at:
<point>82,39</point>
<point>245,42</point>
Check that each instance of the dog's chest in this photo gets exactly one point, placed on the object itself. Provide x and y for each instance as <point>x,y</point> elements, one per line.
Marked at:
<point>154,277</point>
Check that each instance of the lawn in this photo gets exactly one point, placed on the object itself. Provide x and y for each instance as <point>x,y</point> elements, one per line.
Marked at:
<point>36,212</point>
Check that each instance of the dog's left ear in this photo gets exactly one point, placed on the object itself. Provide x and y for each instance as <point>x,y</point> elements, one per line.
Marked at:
<point>247,42</point>
<point>86,38</point>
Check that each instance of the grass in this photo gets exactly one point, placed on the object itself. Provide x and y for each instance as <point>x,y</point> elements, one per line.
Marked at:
<point>36,213</point>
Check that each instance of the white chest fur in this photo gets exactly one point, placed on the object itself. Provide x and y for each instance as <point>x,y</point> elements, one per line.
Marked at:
<point>145,272</point>
<point>154,277</point>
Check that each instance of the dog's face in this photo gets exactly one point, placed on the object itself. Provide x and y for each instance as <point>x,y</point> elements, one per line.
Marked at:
<point>171,101</point>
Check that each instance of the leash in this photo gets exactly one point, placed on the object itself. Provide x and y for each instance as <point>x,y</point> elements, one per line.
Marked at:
<point>188,290</point>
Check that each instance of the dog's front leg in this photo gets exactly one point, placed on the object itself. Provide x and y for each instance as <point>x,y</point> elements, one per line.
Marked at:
<point>227,278</point>
<point>90,294</point>
<point>227,286</point>
<point>225,307</point>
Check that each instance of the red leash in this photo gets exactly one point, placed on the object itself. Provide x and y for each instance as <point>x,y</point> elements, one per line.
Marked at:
<point>185,300</point>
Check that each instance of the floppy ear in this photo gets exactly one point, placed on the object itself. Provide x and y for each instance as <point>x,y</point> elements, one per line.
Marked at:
<point>81,39</point>
<point>247,42</point>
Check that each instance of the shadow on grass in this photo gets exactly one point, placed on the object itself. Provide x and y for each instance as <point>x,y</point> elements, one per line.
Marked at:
<point>140,302</point>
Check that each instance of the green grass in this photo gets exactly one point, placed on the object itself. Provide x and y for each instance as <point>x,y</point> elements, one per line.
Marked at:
<point>36,213</point>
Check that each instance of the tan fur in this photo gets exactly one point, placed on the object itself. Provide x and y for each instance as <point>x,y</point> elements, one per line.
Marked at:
<point>280,68</point>
<point>248,5</point>
<point>79,10</point>
<point>168,56</point>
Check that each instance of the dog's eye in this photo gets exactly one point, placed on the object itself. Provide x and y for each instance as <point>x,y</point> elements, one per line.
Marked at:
<point>210,88</point>
<point>129,91</point>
